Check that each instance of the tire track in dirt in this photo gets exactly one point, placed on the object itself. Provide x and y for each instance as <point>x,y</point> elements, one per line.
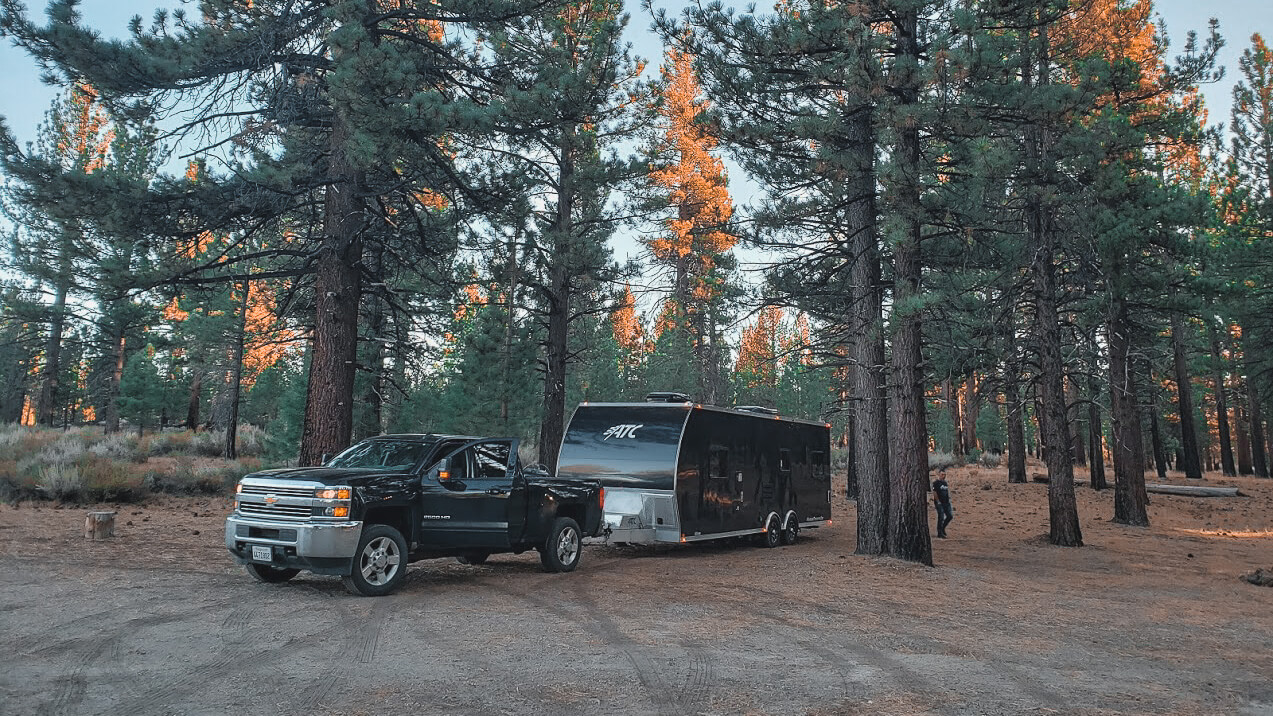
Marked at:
<point>655,687</point>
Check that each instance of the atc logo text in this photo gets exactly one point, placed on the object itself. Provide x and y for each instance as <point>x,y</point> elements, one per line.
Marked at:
<point>622,431</point>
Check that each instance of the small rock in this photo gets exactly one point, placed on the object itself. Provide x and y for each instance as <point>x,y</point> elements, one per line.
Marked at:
<point>1260,577</point>
<point>195,532</point>
<point>129,523</point>
<point>1191,555</point>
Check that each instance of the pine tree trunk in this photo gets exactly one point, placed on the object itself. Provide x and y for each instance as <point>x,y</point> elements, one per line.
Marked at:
<point>370,420</point>
<point>1155,436</point>
<point>196,398</point>
<point>1243,438</point>
<point>1016,426</point>
<point>1078,440</point>
<point>556,346</point>
<point>329,394</point>
<point>111,413</point>
<point>971,410</point>
<point>47,412</point>
<point>1258,455</point>
<point>1191,462</point>
<point>231,451</point>
<point>908,507</point>
<point>1127,448</point>
<point>868,372</point>
<point>1054,423</point>
<point>951,394</point>
<point>1095,446</point>
<point>1222,409</point>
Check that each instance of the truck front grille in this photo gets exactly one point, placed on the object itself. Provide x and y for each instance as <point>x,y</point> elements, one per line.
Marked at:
<point>287,512</point>
<point>280,490</point>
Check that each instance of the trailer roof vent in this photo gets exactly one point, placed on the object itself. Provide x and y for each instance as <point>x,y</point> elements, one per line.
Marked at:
<point>759,409</point>
<point>666,397</point>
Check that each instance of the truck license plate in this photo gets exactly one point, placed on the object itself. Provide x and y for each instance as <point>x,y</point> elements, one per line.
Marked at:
<point>262,554</point>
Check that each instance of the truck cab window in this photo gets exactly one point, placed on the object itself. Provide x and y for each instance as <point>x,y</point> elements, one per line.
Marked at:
<point>492,460</point>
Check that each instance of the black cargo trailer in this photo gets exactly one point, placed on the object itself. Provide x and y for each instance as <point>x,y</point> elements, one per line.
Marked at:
<point>678,471</point>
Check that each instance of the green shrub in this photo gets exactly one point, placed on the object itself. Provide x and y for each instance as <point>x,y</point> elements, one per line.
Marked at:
<point>990,459</point>
<point>209,443</point>
<point>106,480</point>
<point>251,441</point>
<point>120,446</point>
<point>941,460</point>
<point>169,443</point>
<point>61,481</point>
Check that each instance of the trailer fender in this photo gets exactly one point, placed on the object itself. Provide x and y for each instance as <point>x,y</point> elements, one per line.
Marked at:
<point>791,517</point>
<point>771,516</point>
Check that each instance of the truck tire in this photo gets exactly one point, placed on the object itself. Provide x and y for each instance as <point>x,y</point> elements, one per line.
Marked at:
<point>271,575</point>
<point>474,559</point>
<point>791,532</point>
<point>563,548</point>
<point>380,564</point>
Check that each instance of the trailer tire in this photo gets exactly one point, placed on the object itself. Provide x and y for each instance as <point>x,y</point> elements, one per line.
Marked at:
<point>791,532</point>
<point>563,548</point>
<point>772,536</point>
<point>474,559</point>
<point>380,563</point>
<point>271,575</point>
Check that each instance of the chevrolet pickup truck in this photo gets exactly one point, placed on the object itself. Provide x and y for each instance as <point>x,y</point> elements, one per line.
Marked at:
<point>395,499</point>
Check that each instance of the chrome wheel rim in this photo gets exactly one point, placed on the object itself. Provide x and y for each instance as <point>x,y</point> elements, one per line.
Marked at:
<point>380,561</point>
<point>567,546</point>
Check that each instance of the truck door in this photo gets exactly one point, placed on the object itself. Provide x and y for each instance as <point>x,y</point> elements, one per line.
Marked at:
<point>478,503</point>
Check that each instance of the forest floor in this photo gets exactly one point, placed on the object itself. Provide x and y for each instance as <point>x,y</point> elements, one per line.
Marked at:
<point>1139,621</point>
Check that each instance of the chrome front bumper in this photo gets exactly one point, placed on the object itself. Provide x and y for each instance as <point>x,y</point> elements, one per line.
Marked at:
<point>319,547</point>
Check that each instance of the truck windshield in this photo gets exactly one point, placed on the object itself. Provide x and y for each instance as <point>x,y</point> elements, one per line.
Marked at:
<point>385,454</point>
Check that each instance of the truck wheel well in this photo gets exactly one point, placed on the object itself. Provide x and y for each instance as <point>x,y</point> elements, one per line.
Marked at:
<point>574,512</point>
<point>395,517</point>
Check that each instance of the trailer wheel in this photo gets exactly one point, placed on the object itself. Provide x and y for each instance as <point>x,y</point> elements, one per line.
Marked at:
<point>791,532</point>
<point>561,551</point>
<point>773,533</point>
<point>474,559</point>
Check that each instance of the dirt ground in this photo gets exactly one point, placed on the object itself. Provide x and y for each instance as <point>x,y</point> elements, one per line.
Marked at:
<point>1138,621</point>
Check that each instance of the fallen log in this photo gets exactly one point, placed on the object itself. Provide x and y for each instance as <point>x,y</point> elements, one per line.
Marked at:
<point>1039,477</point>
<point>1194,490</point>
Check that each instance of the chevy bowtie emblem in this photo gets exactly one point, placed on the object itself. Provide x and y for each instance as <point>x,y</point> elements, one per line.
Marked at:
<point>271,499</point>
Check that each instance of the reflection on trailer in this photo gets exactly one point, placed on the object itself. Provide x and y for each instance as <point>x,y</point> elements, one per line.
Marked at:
<point>679,472</point>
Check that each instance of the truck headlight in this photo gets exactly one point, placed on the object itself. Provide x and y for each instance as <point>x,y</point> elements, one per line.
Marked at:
<point>332,493</point>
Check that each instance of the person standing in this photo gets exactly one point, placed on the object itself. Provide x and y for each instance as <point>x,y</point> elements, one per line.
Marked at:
<point>941,500</point>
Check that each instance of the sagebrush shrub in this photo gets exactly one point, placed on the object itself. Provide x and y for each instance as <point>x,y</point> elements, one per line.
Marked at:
<point>941,460</point>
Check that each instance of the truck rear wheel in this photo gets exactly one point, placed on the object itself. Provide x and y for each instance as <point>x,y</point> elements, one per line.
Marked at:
<point>271,575</point>
<point>563,548</point>
<point>380,564</point>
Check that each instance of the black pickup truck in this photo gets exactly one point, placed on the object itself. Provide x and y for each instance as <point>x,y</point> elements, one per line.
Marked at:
<point>395,499</point>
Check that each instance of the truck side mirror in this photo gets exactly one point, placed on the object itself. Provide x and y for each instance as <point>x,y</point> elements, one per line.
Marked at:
<point>445,476</point>
<point>325,458</point>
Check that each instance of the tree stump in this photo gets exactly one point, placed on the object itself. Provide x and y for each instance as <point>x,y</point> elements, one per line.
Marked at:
<point>99,525</point>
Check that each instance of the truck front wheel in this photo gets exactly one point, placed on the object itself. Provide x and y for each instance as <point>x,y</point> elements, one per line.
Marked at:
<point>562,549</point>
<point>271,575</point>
<point>380,564</point>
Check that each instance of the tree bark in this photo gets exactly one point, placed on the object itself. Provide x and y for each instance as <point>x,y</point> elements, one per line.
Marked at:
<point>971,410</point>
<point>1128,451</point>
<point>1258,456</point>
<point>1074,428</point>
<point>231,451</point>
<point>329,394</point>
<point>908,507</point>
<point>1095,446</point>
<point>47,409</point>
<point>1243,437</point>
<point>1191,462</point>
<point>556,346</point>
<point>111,413</point>
<point>868,372</point>
<point>1062,506</point>
<point>1016,426</point>
<point>1222,409</point>
<point>1155,436</point>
